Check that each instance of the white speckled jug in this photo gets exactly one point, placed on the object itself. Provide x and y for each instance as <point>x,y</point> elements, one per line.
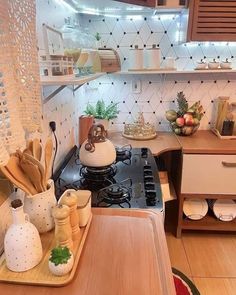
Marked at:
<point>22,244</point>
<point>39,207</point>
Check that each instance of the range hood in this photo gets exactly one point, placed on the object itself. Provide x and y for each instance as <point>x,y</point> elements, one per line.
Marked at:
<point>115,8</point>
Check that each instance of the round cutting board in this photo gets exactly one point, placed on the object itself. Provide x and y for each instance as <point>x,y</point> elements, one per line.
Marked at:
<point>195,209</point>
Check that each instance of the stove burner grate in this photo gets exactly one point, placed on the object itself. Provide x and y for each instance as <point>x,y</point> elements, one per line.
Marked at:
<point>123,154</point>
<point>115,194</point>
<point>95,174</point>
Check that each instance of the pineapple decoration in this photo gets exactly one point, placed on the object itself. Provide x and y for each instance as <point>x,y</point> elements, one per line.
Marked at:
<point>185,121</point>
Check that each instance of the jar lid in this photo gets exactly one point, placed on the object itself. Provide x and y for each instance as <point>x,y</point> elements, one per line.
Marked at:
<point>83,198</point>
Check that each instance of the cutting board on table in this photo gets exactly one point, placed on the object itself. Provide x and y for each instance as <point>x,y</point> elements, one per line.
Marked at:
<point>125,252</point>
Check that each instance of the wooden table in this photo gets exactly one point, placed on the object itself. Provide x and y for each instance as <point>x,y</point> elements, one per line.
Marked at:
<point>165,141</point>
<point>125,254</point>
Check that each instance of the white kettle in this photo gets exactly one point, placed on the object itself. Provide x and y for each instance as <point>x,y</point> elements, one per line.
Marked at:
<point>97,150</point>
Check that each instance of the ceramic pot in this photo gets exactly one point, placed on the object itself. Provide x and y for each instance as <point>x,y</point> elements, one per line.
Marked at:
<point>39,207</point>
<point>104,122</point>
<point>22,244</point>
<point>61,269</point>
<point>97,150</point>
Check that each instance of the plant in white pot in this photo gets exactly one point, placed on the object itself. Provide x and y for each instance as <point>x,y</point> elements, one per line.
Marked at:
<point>61,261</point>
<point>102,113</point>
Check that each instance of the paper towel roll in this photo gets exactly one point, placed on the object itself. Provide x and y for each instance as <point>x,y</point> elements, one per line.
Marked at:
<point>136,59</point>
<point>152,58</point>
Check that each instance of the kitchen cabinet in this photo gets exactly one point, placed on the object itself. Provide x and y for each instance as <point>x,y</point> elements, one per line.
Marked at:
<point>208,172</point>
<point>149,3</point>
<point>157,3</point>
<point>212,20</point>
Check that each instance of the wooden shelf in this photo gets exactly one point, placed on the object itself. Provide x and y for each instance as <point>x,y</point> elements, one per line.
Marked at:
<point>69,79</point>
<point>209,223</point>
<point>63,81</point>
<point>165,71</point>
<point>207,196</point>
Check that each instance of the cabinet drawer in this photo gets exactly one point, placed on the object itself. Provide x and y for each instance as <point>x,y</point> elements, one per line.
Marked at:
<point>209,174</point>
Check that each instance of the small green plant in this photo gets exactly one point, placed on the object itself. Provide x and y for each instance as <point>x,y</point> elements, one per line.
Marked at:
<point>97,36</point>
<point>60,255</point>
<point>101,111</point>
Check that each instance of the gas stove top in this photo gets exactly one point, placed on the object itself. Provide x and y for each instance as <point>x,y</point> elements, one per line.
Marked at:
<point>131,182</point>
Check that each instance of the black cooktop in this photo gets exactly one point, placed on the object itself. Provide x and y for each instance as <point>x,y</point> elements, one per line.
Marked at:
<point>132,181</point>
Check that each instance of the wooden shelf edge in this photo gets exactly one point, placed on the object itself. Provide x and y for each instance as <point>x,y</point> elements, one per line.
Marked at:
<point>208,223</point>
<point>69,80</point>
<point>163,71</point>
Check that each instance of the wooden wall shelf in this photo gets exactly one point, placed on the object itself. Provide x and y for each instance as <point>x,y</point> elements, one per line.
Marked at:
<point>166,72</point>
<point>63,81</point>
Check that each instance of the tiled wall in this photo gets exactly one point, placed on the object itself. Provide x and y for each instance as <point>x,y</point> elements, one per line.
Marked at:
<point>63,108</point>
<point>158,91</point>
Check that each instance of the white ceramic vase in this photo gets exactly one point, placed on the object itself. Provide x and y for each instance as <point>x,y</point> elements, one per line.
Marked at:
<point>39,207</point>
<point>22,244</point>
<point>61,269</point>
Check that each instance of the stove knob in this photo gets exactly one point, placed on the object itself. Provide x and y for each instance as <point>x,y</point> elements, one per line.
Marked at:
<point>144,152</point>
<point>147,172</point>
<point>148,178</point>
<point>147,167</point>
<point>150,202</point>
<point>149,186</point>
<point>150,194</point>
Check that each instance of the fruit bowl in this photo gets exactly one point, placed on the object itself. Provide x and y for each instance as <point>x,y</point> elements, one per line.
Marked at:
<point>186,120</point>
<point>185,130</point>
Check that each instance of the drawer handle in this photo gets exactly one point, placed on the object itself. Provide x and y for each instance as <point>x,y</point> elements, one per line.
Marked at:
<point>228,164</point>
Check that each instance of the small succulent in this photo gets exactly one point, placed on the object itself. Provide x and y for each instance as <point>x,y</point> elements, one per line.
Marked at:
<point>60,255</point>
<point>101,111</point>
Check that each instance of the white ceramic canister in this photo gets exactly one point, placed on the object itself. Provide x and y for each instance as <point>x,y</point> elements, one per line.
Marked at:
<point>136,58</point>
<point>22,244</point>
<point>39,207</point>
<point>170,63</point>
<point>153,58</point>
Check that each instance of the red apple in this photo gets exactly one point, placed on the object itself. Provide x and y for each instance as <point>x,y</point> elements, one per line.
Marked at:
<point>189,121</point>
<point>180,121</point>
<point>188,115</point>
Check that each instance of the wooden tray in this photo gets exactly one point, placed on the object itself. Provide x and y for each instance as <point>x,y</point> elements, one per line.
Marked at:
<point>139,137</point>
<point>40,274</point>
<point>217,133</point>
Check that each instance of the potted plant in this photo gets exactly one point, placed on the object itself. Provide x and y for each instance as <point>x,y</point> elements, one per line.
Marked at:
<point>61,261</point>
<point>102,113</point>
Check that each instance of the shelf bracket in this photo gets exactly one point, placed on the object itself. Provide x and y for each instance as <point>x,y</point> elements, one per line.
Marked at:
<point>55,92</point>
<point>76,88</point>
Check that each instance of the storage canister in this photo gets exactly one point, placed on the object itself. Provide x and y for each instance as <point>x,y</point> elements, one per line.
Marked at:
<point>136,58</point>
<point>152,58</point>
<point>84,206</point>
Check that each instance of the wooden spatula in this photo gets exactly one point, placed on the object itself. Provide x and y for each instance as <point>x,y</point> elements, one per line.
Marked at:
<point>40,167</point>
<point>13,166</point>
<point>48,158</point>
<point>13,180</point>
<point>37,149</point>
<point>33,173</point>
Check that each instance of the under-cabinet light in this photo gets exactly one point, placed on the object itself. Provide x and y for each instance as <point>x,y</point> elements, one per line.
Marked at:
<point>68,6</point>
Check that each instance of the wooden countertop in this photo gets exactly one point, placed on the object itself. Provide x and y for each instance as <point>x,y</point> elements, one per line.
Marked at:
<point>206,142</point>
<point>125,253</point>
<point>202,142</point>
<point>165,141</point>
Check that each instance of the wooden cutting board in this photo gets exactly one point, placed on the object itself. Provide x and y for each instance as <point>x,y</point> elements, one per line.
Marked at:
<point>125,253</point>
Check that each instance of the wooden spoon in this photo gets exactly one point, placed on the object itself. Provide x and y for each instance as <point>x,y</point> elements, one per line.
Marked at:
<point>13,166</point>
<point>48,158</point>
<point>40,167</point>
<point>37,149</point>
<point>33,173</point>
